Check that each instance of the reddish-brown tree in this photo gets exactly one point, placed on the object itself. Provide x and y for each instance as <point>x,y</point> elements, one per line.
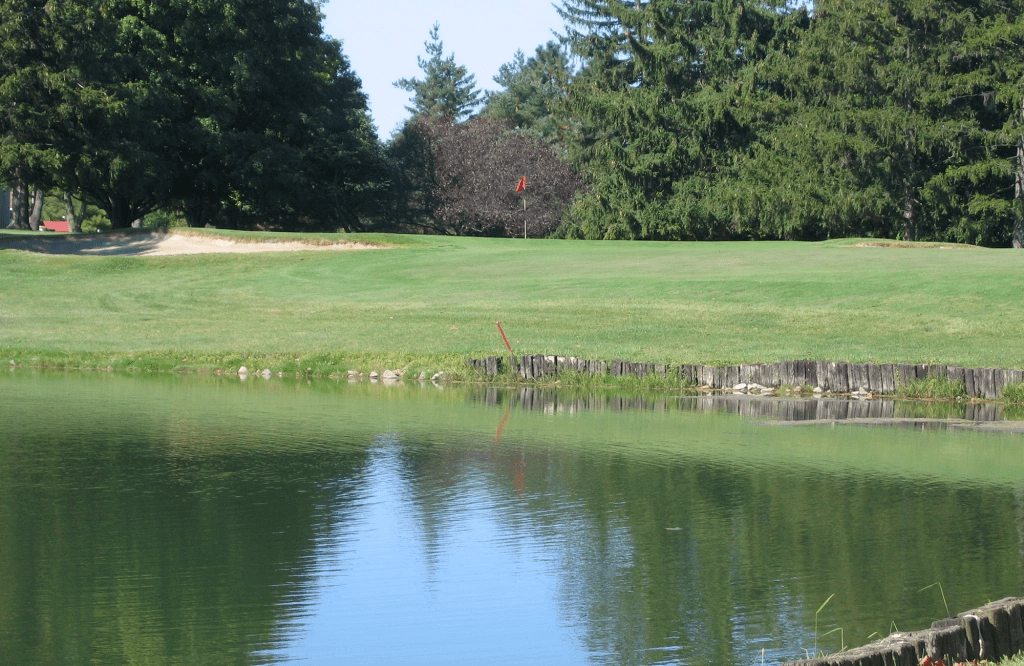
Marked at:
<point>475,167</point>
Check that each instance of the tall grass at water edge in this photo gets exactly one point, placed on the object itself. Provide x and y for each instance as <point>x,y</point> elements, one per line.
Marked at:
<point>932,388</point>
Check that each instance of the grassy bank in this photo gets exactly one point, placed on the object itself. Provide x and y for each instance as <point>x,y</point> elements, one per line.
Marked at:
<point>432,301</point>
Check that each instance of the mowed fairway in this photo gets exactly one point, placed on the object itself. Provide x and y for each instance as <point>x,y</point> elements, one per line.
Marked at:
<point>439,297</point>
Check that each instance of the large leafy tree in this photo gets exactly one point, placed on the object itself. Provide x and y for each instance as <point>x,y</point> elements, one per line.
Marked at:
<point>446,90</point>
<point>239,111</point>
<point>32,101</point>
<point>474,170</point>
<point>278,130</point>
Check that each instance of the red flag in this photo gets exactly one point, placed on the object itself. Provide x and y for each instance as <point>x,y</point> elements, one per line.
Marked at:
<point>522,184</point>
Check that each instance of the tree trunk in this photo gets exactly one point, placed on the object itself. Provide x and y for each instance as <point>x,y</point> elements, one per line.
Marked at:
<point>37,211</point>
<point>1018,194</point>
<point>71,215</point>
<point>19,202</point>
<point>908,189</point>
<point>908,213</point>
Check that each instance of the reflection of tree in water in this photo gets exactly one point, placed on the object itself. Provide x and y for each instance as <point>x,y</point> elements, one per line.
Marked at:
<point>195,546</point>
<point>138,543</point>
<point>689,561</point>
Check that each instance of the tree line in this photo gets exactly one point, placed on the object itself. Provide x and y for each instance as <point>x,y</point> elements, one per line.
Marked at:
<point>899,119</point>
<point>657,119</point>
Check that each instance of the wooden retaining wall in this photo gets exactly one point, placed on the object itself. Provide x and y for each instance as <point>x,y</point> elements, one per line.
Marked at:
<point>830,376</point>
<point>993,632</point>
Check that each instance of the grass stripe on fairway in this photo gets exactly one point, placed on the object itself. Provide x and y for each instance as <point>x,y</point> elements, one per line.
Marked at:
<point>667,302</point>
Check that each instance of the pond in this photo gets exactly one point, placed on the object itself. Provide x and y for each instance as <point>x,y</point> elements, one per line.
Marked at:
<point>191,520</point>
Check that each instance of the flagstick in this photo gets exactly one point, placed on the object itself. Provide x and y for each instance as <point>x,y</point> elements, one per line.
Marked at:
<point>524,218</point>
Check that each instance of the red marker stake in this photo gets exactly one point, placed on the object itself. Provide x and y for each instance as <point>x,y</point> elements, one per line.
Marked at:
<point>503,337</point>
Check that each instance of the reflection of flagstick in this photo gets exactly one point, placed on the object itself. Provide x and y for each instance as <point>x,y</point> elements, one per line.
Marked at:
<point>519,188</point>
<point>501,426</point>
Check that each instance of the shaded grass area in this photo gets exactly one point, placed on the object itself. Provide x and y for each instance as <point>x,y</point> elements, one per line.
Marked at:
<point>434,300</point>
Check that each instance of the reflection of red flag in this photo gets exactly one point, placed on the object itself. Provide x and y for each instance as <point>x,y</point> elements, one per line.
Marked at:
<point>522,184</point>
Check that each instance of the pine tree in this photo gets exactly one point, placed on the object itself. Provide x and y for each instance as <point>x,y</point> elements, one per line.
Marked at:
<point>990,76</point>
<point>873,132</point>
<point>530,88</point>
<point>446,89</point>
<point>666,100</point>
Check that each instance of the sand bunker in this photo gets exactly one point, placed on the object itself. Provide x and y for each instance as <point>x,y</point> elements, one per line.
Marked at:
<point>158,244</point>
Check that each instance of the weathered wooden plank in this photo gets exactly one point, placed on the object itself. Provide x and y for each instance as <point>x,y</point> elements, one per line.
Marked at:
<point>703,375</point>
<point>811,373</point>
<point>858,377</point>
<point>821,372</point>
<point>938,370</point>
<point>984,382</point>
<point>999,381</point>
<point>969,386</point>
<point>888,378</point>
<point>874,377</point>
<point>718,378</point>
<point>550,365</point>
<point>838,381</point>
<point>799,373</point>
<point>1014,376</point>
<point>789,373</point>
<point>921,371</point>
<point>539,366</point>
<point>955,373</point>
<point>732,375</point>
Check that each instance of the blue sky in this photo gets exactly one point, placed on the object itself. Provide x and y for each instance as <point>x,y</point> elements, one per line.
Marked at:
<point>382,40</point>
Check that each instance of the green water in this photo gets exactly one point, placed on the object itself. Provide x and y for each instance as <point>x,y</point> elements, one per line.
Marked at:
<point>186,520</point>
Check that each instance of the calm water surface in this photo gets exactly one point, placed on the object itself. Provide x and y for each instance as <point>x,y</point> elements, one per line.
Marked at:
<point>204,521</point>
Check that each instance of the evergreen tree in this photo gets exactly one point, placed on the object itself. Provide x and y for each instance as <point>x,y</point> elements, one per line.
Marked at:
<point>666,99</point>
<point>871,133</point>
<point>531,86</point>
<point>446,90</point>
<point>990,76</point>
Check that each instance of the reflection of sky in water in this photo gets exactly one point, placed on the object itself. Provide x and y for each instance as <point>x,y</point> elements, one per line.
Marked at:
<point>483,593</point>
<point>262,524</point>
